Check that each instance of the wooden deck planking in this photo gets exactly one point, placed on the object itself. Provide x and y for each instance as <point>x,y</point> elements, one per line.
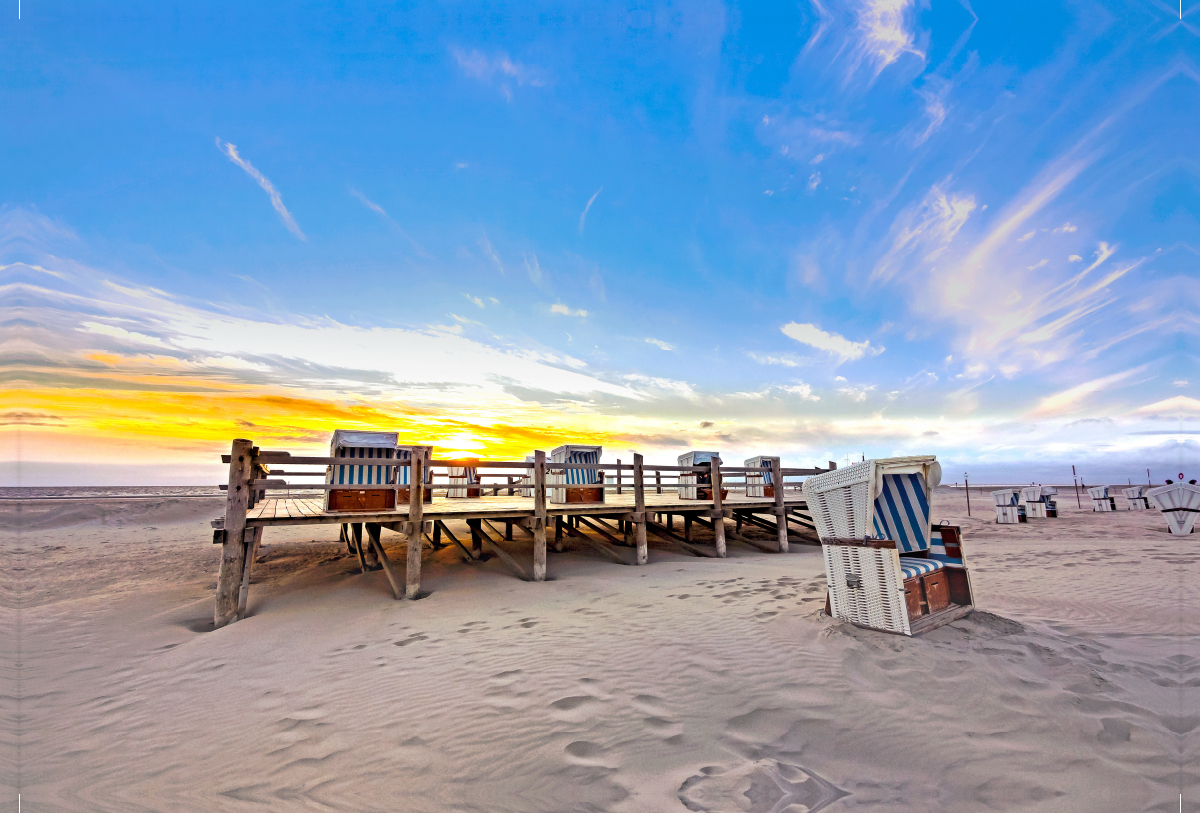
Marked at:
<point>297,511</point>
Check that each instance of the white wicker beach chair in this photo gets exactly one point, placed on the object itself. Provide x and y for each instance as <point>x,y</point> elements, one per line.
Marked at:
<point>690,482</point>
<point>1180,503</point>
<point>1101,501</point>
<point>464,482</point>
<point>1009,510</point>
<point>1136,497</point>
<point>888,568</point>
<point>760,485</point>
<point>362,448</point>
<point>1038,504</point>
<point>576,454</point>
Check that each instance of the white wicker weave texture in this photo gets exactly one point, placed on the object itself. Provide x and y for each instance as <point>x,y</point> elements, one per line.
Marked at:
<point>865,587</point>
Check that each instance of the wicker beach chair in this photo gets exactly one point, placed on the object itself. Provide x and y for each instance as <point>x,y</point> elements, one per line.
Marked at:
<point>760,485</point>
<point>360,475</point>
<point>575,454</point>
<point>888,568</point>
<point>1180,503</point>
<point>1101,500</point>
<point>464,482</point>
<point>1136,497</point>
<point>1038,504</point>
<point>1009,510</point>
<point>691,483</point>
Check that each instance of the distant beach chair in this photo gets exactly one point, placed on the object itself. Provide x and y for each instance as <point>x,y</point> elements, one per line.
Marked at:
<point>760,485</point>
<point>1009,510</point>
<point>1179,502</point>
<point>887,567</point>
<point>368,450</point>
<point>575,454</point>
<point>1101,501</point>
<point>1038,504</point>
<point>464,482</point>
<point>1136,497</point>
<point>691,483</point>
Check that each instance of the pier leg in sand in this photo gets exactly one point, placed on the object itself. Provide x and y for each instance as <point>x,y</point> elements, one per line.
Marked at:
<point>718,517</point>
<point>416,516</point>
<point>233,550</point>
<point>780,510</point>
<point>639,509</point>
<point>539,516</point>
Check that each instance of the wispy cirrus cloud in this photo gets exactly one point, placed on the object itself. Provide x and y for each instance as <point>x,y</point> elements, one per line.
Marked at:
<point>586,209</point>
<point>831,343</point>
<point>563,310</point>
<point>231,152</point>
<point>478,65</point>
<point>659,343</point>
<point>886,32</point>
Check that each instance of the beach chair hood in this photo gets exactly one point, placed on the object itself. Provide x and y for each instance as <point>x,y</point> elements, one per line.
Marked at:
<point>879,499</point>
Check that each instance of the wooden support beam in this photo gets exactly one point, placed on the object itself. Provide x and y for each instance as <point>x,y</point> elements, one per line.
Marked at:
<point>384,562</point>
<point>344,536</point>
<point>658,482</point>
<point>502,554</point>
<point>595,526</point>
<point>718,519</point>
<point>670,536</point>
<point>252,536</point>
<point>639,507</point>
<point>539,515</point>
<point>416,517</point>
<point>233,549</point>
<point>687,527</point>
<point>618,475</point>
<point>356,534</point>
<point>470,557</point>
<point>777,483</point>
<point>598,545</point>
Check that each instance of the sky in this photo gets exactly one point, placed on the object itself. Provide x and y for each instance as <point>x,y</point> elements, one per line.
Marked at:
<point>820,230</point>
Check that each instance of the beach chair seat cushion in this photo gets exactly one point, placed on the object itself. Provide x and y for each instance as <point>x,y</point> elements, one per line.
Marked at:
<point>911,567</point>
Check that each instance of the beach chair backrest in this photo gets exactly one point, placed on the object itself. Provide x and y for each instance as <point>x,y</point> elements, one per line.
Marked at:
<point>879,499</point>
<point>589,455</point>
<point>1098,492</point>
<point>1031,494</point>
<point>361,447</point>
<point>762,462</point>
<point>902,512</point>
<point>1006,496</point>
<point>406,453</point>
<point>1179,503</point>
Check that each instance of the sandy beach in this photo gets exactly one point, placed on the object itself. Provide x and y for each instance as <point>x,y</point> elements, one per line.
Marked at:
<point>689,684</point>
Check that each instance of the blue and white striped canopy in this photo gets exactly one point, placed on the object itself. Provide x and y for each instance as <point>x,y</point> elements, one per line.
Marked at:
<point>363,473</point>
<point>577,454</point>
<point>902,512</point>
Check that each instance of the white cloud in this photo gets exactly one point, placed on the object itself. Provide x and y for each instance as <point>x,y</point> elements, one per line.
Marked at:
<point>885,35</point>
<point>1074,258</point>
<point>1026,236</point>
<point>1063,402</point>
<point>586,209</point>
<point>856,392</point>
<point>231,152</point>
<point>935,111</point>
<point>668,385</point>
<point>474,300</point>
<point>370,204</point>
<point>559,307</point>
<point>121,333</point>
<point>839,346</point>
<point>803,390</point>
<point>925,231</point>
<point>533,269</point>
<point>1179,382</point>
<point>660,344</point>
<point>1066,228</point>
<point>782,361</point>
<point>479,65</point>
<point>814,181</point>
<point>1037,265</point>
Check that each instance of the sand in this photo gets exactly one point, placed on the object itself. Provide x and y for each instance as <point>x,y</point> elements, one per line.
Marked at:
<point>689,684</point>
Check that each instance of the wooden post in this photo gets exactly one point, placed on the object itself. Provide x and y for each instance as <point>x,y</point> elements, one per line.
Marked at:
<point>687,527</point>
<point>658,482</point>
<point>639,509</point>
<point>718,519</point>
<point>510,493</point>
<point>539,516</point>
<point>476,539</point>
<point>252,536</point>
<point>508,530</point>
<point>437,535</point>
<point>618,475</point>
<point>233,551</point>
<point>384,562</point>
<point>780,518</point>
<point>416,519</point>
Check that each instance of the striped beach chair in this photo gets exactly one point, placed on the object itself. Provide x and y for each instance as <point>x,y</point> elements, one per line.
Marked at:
<point>1038,504</point>
<point>691,483</point>
<point>887,567</point>
<point>407,453</point>
<point>1101,500</point>
<point>364,453</point>
<point>462,478</point>
<point>1009,510</point>
<point>1179,503</point>
<point>583,477</point>
<point>760,485</point>
<point>1136,497</point>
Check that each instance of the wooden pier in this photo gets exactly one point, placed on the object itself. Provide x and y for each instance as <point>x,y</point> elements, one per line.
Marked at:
<point>646,503</point>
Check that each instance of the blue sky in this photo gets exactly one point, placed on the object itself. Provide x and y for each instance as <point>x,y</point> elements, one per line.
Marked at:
<point>828,229</point>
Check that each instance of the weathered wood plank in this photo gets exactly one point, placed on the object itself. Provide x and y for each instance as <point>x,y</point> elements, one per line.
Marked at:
<point>377,545</point>
<point>233,549</point>
<point>416,508</point>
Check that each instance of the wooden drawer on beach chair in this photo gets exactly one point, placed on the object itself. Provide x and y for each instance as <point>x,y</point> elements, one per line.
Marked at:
<point>369,499</point>
<point>937,591</point>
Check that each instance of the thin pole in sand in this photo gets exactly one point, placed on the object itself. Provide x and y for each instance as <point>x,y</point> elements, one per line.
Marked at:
<point>1078,504</point>
<point>967,485</point>
<point>639,508</point>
